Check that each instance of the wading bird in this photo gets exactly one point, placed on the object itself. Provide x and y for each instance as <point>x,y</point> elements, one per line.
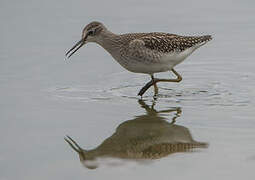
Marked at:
<point>147,53</point>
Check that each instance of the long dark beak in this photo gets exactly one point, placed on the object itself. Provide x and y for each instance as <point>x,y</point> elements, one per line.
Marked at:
<point>75,48</point>
<point>75,146</point>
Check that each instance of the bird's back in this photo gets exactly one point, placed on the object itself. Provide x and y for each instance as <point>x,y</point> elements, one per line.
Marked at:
<point>165,42</point>
<point>156,52</point>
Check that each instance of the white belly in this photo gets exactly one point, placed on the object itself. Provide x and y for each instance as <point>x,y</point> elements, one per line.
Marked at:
<point>166,63</point>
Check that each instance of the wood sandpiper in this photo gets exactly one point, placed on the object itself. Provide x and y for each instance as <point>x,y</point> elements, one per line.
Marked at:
<point>147,53</point>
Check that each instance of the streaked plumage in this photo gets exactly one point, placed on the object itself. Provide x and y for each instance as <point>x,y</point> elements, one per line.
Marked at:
<point>155,52</point>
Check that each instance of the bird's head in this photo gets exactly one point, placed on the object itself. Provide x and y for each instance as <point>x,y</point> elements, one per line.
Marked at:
<point>87,160</point>
<point>90,33</point>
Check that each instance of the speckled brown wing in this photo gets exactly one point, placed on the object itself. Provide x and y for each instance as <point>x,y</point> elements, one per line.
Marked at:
<point>151,47</point>
<point>137,50</point>
<point>156,151</point>
<point>161,150</point>
<point>165,43</point>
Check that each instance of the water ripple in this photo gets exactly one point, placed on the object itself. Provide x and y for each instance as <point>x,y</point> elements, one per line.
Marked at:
<point>211,94</point>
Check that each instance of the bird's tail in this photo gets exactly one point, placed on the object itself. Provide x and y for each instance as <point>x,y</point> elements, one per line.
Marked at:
<point>201,40</point>
<point>205,38</point>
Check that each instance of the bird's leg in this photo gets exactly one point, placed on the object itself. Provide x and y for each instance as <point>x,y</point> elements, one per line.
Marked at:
<point>155,80</point>
<point>147,86</point>
<point>178,79</point>
<point>178,113</point>
<point>155,85</point>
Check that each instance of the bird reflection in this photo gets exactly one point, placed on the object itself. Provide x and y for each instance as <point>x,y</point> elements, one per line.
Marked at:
<point>148,136</point>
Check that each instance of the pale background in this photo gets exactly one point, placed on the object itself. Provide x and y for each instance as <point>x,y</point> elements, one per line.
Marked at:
<point>43,97</point>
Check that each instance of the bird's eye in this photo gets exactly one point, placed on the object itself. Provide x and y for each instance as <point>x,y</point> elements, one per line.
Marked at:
<point>91,33</point>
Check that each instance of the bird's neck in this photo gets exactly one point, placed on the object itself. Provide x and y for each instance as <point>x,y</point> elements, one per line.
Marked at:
<point>109,41</point>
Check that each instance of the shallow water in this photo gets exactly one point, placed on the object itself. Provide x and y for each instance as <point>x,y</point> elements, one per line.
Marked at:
<point>44,98</point>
